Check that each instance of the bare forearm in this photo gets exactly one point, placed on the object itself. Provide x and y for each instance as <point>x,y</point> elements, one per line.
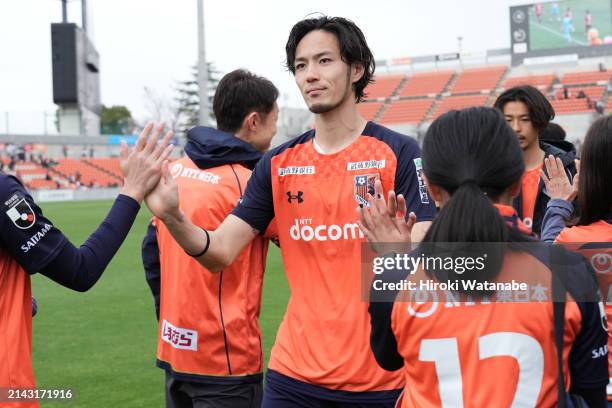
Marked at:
<point>193,240</point>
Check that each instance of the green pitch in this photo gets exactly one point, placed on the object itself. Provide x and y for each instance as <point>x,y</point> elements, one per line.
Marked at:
<point>548,33</point>
<point>102,343</point>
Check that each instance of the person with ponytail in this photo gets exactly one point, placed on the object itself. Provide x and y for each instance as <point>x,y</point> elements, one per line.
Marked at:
<point>470,348</point>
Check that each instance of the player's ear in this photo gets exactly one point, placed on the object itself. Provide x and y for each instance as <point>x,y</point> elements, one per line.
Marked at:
<point>357,71</point>
<point>251,121</point>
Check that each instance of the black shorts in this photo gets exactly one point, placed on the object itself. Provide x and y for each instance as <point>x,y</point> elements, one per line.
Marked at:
<point>286,392</point>
<point>191,394</point>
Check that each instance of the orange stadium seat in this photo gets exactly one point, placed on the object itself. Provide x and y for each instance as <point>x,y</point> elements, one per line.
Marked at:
<point>423,84</point>
<point>593,92</point>
<point>478,79</point>
<point>369,109</point>
<point>459,102</point>
<point>407,111</point>
<point>109,164</point>
<point>89,174</point>
<point>541,82</point>
<point>383,86</point>
<point>569,106</point>
<point>591,77</point>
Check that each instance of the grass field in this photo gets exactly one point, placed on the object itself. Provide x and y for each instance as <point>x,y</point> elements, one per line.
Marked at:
<point>548,33</point>
<point>102,343</point>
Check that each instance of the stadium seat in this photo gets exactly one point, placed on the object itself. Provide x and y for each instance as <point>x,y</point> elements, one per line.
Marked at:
<point>478,80</point>
<point>369,109</point>
<point>89,174</point>
<point>569,106</point>
<point>591,77</point>
<point>407,111</point>
<point>459,102</point>
<point>542,82</point>
<point>593,92</point>
<point>424,84</point>
<point>383,86</point>
<point>108,164</point>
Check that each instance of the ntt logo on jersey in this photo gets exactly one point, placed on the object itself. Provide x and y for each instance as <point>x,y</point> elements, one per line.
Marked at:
<point>304,230</point>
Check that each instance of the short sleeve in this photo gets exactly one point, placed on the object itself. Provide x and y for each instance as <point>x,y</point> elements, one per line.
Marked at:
<point>410,183</point>
<point>25,233</point>
<point>256,207</point>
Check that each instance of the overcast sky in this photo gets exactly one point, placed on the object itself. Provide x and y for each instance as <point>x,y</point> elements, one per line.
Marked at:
<point>153,43</point>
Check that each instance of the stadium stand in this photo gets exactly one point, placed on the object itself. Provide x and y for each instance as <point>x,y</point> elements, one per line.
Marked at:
<point>407,111</point>
<point>542,82</point>
<point>590,77</point>
<point>89,175</point>
<point>459,102</point>
<point>384,86</point>
<point>425,84</point>
<point>478,80</point>
<point>109,165</point>
<point>369,110</point>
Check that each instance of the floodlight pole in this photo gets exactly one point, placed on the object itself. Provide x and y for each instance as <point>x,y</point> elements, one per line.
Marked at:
<point>202,68</point>
<point>84,15</point>
<point>64,11</point>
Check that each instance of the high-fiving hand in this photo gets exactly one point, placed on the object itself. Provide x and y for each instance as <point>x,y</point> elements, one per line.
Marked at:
<point>385,223</point>
<point>556,182</point>
<point>141,166</point>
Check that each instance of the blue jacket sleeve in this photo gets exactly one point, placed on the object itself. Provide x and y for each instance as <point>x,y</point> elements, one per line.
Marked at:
<point>558,212</point>
<point>80,268</point>
<point>150,262</point>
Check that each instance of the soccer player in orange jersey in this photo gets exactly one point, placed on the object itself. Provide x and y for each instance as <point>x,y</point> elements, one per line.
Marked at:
<point>528,112</point>
<point>591,233</point>
<point>311,185</point>
<point>29,243</point>
<point>209,335</point>
<point>480,351</point>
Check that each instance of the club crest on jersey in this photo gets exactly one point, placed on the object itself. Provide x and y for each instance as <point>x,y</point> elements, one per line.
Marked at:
<point>364,184</point>
<point>21,214</point>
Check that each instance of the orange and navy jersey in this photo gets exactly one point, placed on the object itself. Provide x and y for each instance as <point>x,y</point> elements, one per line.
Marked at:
<point>323,338</point>
<point>529,191</point>
<point>594,242</point>
<point>28,242</point>
<point>452,350</point>
<point>208,323</point>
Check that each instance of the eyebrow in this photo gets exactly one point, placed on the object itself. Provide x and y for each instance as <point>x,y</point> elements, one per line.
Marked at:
<point>316,56</point>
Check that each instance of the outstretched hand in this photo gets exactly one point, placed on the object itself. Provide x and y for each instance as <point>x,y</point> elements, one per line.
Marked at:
<point>141,165</point>
<point>384,222</point>
<point>163,200</point>
<point>556,182</point>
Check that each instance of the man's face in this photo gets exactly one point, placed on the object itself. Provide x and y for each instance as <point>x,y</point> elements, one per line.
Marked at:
<point>517,116</point>
<point>266,130</point>
<point>320,73</point>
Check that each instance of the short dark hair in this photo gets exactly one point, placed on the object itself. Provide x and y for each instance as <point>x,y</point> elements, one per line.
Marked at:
<point>353,47</point>
<point>541,111</point>
<point>239,93</point>
<point>594,190</point>
<point>553,132</point>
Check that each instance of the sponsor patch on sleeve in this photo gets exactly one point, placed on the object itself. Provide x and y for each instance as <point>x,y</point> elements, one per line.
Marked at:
<point>422,188</point>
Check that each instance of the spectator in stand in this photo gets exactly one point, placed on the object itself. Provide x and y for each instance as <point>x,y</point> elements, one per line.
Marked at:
<point>65,151</point>
<point>581,94</point>
<point>91,151</point>
<point>84,151</point>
